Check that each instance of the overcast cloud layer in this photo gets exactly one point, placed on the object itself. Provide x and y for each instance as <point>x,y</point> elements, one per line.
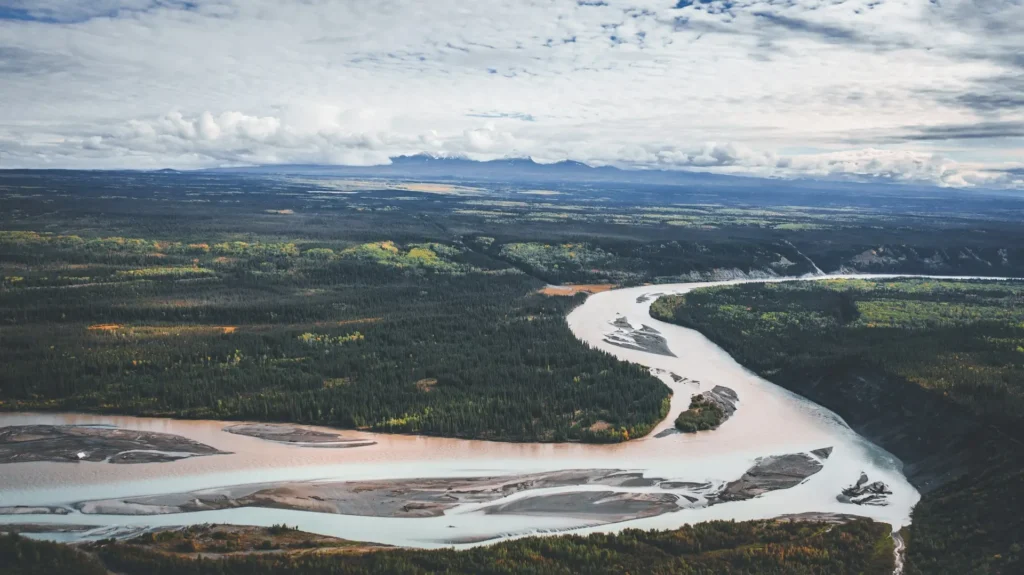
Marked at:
<point>907,90</point>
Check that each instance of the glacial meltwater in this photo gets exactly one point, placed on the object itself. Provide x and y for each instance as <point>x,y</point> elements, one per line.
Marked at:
<point>434,492</point>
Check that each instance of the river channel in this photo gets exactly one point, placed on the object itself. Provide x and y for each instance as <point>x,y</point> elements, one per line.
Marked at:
<point>688,468</point>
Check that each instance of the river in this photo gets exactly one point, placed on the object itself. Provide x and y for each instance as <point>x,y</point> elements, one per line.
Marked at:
<point>769,421</point>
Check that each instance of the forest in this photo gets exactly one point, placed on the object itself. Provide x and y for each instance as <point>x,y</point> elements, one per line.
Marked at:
<point>409,308</point>
<point>414,338</point>
<point>586,233</point>
<point>702,414</point>
<point>717,547</point>
<point>932,370</point>
<point>375,305</point>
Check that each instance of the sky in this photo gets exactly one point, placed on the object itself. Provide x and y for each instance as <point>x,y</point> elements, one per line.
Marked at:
<point>917,91</point>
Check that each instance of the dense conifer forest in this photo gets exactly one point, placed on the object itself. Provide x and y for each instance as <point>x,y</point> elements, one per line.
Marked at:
<point>417,338</point>
<point>399,307</point>
<point>376,305</point>
<point>932,370</point>
<point>763,547</point>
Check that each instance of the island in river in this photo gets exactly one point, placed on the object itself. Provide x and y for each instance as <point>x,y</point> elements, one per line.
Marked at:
<point>296,435</point>
<point>429,492</point>
<point>28,443</point>
<point>708,410</point>
<point>543,494</point>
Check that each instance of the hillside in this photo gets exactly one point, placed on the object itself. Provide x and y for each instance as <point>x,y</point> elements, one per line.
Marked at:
<point>931,370</point>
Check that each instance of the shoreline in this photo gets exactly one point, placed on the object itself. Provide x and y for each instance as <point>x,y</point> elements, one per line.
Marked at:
<point>717,456</point>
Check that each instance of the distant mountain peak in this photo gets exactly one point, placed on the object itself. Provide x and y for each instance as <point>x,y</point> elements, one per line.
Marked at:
<point>459,158</point>
<point>510,169</point>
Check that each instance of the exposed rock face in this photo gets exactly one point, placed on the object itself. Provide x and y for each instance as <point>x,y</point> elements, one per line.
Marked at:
<point>782,264</point>
<point>864,493</point>
<point>962,260</point>
<point>880,256</point>
<point>22,443</point>
<point>726,274</point>
<point>771,474</point>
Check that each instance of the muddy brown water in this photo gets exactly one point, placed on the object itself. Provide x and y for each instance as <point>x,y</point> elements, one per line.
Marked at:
<point>768,421</point>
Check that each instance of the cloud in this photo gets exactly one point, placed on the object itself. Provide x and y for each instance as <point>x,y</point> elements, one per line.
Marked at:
<point>18,61</point>
<point>513,115</point>
<point>977,131</point>
<point>825,32</point>
<point>70,11</point>
<point>1001,93</point>
<point>836,88</point>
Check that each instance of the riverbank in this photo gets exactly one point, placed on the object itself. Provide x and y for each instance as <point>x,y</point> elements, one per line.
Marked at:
<point>717,547</point>
<point>927,368</point>
<point>767,423</point>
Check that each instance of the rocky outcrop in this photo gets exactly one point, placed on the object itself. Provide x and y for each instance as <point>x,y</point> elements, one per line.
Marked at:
<point>954,260</point>
<point>864,493</point>
<point>725,274</point>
